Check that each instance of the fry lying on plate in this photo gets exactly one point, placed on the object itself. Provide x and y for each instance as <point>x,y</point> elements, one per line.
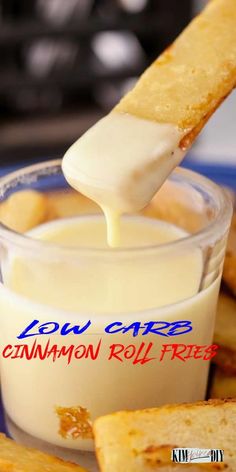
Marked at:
<point>24,210</point>
<point>17,458</point>
<point>142,441</point>
<point>27,209</point>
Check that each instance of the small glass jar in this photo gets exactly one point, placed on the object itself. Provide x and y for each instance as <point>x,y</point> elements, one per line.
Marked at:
<point>52,402</point>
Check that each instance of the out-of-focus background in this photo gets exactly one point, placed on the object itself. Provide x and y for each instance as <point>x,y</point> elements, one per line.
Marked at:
<point>65,63</point>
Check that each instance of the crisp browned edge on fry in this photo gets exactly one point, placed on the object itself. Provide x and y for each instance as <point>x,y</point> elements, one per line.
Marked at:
<point>17,458</point>
<point>133,439</point>
<point>186,84</point>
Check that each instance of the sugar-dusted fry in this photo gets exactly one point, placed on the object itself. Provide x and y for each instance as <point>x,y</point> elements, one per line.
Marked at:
<point>190,79</point>
<point>124,159</point>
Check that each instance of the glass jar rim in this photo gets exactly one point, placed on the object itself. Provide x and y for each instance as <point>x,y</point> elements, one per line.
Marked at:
<point>25,241</point>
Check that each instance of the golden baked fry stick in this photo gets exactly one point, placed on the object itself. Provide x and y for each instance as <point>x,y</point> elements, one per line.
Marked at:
<point>69,203</point>
<point>141,441</point>
<point>124,159</point>
<point>190,79</point>
<point>17,458</point>
<point>173,204</point>
<point>24,210</point>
